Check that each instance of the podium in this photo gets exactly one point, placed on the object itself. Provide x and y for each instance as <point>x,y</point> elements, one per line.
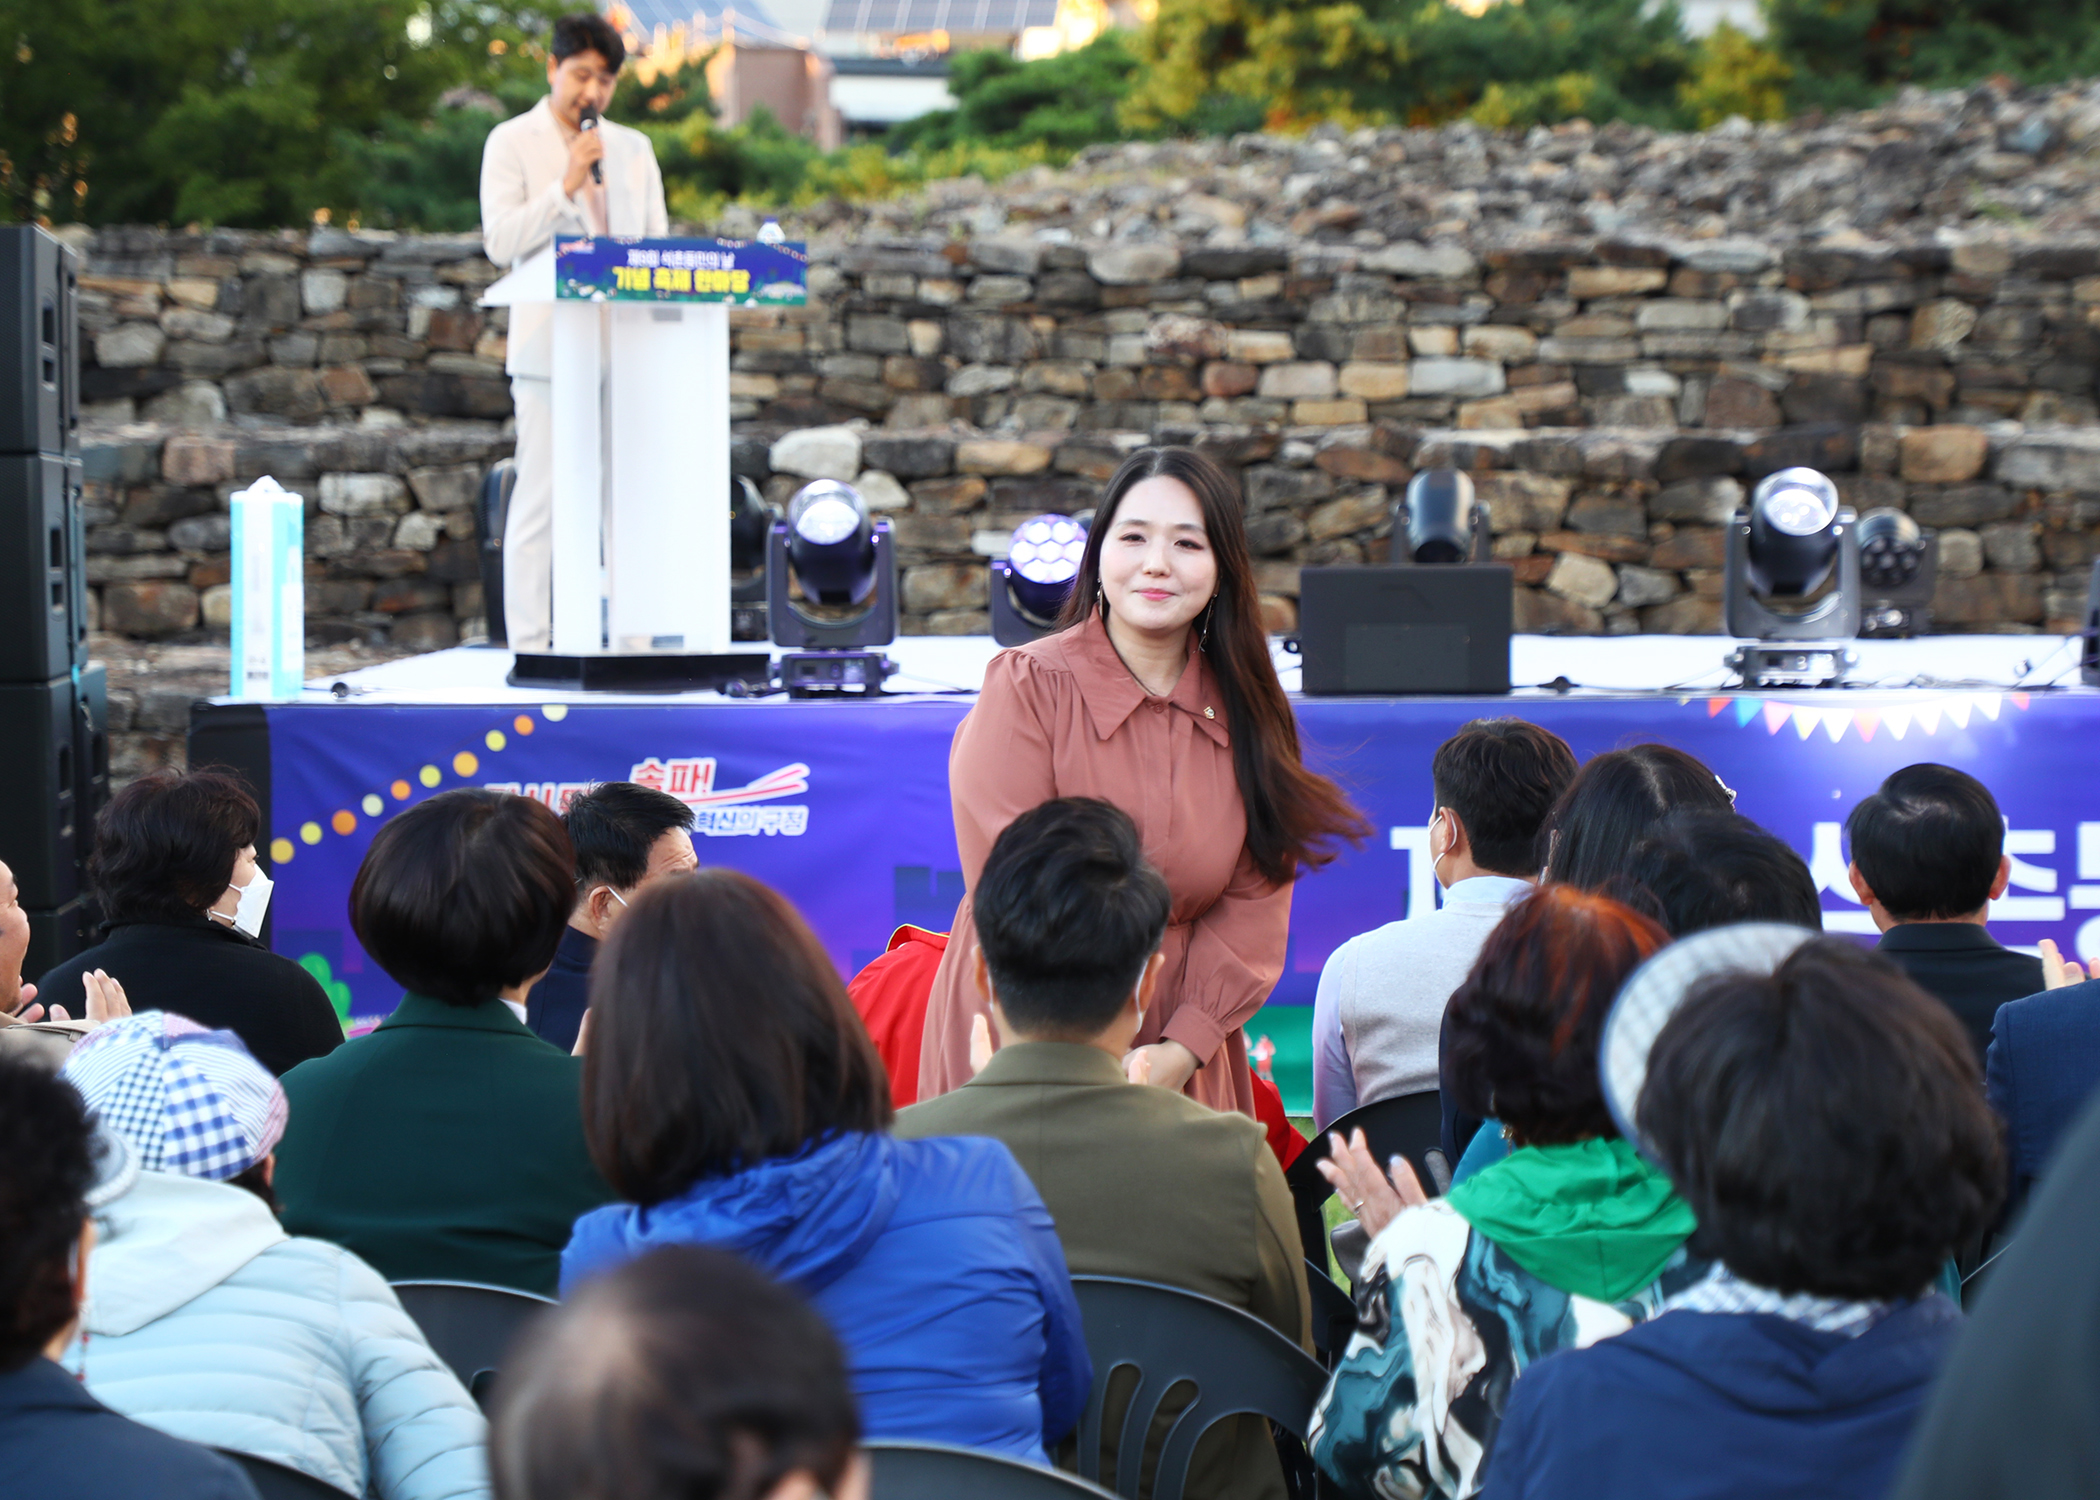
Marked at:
<point>641,453</point>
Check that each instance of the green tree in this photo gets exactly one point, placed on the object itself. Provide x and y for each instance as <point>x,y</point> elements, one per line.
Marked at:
<point>1849,52</point>
<point>233,112</point>
<point>1063,102</point>
<point>1413,61</point>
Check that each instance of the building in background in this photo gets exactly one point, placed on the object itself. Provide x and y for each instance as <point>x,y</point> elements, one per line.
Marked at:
<point>873,93</point>
<point>752,61</point>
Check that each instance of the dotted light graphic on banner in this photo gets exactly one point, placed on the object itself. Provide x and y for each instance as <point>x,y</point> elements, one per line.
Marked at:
<point>464,761</point>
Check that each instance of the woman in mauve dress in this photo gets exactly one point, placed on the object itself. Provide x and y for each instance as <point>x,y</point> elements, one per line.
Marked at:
<point>1157,694</point>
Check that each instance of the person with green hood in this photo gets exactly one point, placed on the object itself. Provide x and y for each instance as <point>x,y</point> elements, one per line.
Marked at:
<point>1571,1238</point>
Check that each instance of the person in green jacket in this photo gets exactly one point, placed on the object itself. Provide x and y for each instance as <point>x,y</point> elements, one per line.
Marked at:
<point>448,1144</point>
<point>1571,1238</point>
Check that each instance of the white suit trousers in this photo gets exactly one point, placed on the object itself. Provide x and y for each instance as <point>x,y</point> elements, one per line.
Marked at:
<point>528,529</point>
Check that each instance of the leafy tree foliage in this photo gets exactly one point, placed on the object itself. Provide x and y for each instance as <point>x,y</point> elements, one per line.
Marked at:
<point>235,111</point>
<point>1848,52</point>
<point>1061,102</point>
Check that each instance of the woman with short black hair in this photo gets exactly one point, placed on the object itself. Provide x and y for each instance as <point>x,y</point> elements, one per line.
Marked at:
<point>732,1096</point>
<point>447,1145</point>
<point>182,896</point>
<point>1822,1116</point>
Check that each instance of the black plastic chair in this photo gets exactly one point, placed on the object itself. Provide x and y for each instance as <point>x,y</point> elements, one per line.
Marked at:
<point>1411,1126</point>
<point>1235,1363</point>
<point>936,1471</point>
<point>491,512</point>
<point>275,1481</point>
<point>471,1326</point>
<point>1333,1314</point>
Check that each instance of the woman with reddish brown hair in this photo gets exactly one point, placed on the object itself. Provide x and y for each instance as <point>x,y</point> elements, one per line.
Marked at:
<point>1158,695</point>
<point>1571,1238</point>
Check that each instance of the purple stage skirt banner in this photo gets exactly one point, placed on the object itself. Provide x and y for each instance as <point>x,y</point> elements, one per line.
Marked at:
<point>844,806</point>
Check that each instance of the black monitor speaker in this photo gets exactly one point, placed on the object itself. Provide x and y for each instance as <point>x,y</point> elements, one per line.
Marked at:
<point>39,764</point>
<point>1406,630</point>
<point>2089,648</point>
<point>39,343</point>
<point>43,577</point>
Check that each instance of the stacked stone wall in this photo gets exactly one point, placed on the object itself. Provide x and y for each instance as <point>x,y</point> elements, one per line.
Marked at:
<point>1613,394</point>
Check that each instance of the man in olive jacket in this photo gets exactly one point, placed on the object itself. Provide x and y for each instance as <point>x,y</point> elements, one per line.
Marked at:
<point>1142,1182</point>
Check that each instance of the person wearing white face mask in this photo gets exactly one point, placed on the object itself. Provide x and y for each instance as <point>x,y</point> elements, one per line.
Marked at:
<point>183,900</point>
<point>1382,994</point>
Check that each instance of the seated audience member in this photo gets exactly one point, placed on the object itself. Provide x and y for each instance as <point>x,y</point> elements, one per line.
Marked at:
<point>732,1098</point>
<point>1573,1238</point>
<point>2043,1065</point>
<point>211,1324</point>
<point>890,993</point>
<point>174,869</point>
<point>625,836</point>
<point>1381,999</point>
<point>1824,1123</point>
<point>1693,871</point>
<point>683,1375</point>
<point>1142,1182</point>
<point>2011,1417</point>
<point>447,1145</point>
<point>1586,842</point>
<point>1928,858</point>
<point>57,1442</point>
<point>1715,869</point>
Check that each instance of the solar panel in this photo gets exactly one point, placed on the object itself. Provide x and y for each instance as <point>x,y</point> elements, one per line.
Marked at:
<point>650,14</point>
<point>939,15</point>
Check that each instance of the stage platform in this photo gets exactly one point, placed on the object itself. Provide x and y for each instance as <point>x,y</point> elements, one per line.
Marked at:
<point>844,805</point>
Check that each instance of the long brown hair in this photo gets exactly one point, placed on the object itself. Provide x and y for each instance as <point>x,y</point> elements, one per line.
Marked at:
<point>721,1036</point>
<point>1293,815</point>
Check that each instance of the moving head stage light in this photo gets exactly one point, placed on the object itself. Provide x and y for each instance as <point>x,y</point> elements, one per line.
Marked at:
<point>1899,566</point>
<point>750,522</point>
<point>842,558</point>
<point>1783,547</point>
<point>1030,584</point>
<point>1439,522</point>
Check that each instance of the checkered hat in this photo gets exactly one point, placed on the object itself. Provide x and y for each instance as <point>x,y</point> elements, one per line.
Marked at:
<point>1653,992</point>
<point>187,1100</point>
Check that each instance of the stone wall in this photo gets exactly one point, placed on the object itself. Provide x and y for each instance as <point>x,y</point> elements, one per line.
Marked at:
<point>1617,329</point>
<point>1614,393</point>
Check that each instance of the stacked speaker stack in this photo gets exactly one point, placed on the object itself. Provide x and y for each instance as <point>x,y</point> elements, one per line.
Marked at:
<point>54,717</point>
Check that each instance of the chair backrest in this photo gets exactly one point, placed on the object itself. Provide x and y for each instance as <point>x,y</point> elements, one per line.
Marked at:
<point>1168,1337</point>
<point>471,1326</point>
<point>275,1481</point>
<point>1333,1314</point>
<point>937,1471</point>
<point>1410,1125</point>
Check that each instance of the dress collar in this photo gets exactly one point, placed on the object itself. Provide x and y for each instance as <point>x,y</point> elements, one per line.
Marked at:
<point>1113,694</point>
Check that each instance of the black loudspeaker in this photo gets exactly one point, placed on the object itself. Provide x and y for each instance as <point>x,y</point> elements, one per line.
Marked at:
<point>43,570</point>
<point>39,343</point>
<point>55,936</point>
<point>39,765</point>
<point>491,510</point>
<point>1406,630</point>
<point>90,753</point>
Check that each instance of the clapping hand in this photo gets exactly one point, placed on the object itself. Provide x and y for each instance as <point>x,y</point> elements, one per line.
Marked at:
<point>105,1000</point>
<point>2058,971</point>
<point>1374,1197</point>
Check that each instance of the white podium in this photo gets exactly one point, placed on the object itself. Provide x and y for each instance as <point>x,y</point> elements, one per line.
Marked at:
<point>641,477</point>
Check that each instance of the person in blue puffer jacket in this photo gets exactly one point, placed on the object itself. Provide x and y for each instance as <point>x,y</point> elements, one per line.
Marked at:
<point>205,1320</point>
<point>731,1095</point>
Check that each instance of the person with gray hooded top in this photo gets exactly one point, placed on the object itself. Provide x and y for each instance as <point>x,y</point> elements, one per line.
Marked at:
<point>204,1319</point>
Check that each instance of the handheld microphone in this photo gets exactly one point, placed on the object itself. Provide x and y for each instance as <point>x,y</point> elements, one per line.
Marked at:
<point>588,120</point>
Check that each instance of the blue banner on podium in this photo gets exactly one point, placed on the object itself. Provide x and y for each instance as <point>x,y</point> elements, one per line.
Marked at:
<point>742,273</point>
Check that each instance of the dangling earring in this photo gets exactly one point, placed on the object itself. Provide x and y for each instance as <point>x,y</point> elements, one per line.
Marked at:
<point>1203,637</point>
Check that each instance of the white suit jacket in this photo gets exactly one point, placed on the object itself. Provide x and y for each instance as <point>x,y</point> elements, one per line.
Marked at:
<point>523,207</point>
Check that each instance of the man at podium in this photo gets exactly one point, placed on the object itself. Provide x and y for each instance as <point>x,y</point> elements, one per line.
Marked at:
<point>559,168</point>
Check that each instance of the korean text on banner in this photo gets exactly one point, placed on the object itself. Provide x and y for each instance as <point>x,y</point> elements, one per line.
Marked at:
<point>739,273</point>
